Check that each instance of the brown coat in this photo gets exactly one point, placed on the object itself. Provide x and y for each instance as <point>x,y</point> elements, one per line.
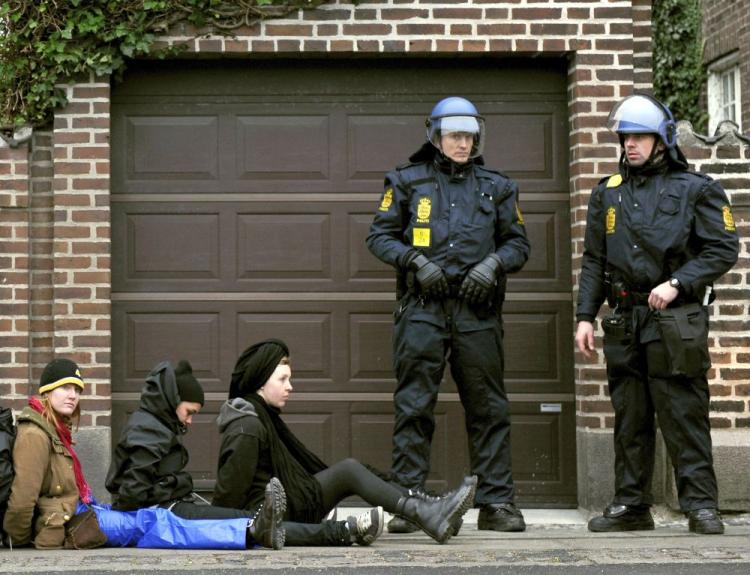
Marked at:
<point>44,486</point>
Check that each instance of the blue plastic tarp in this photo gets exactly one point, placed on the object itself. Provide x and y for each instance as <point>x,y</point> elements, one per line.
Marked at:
<point>158,528</point>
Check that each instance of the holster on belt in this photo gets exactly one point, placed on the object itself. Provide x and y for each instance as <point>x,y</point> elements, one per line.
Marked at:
<point>684,332</point>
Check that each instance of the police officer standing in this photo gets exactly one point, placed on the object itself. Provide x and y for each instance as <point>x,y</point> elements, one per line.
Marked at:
<point>453,230</point>
<point>657,237</point>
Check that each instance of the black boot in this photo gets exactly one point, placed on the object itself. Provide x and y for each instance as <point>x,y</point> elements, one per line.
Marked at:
<point>618,517</point>
<point>501,517</point>
<point>266,529</point>
<point>440,517</point>
<point>705,522</point>
<point>401,525</point>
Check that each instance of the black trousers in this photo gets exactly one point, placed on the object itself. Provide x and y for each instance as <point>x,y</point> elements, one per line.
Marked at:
<point>325,533</point>
<point>425,337</point>
<point>640,389</point>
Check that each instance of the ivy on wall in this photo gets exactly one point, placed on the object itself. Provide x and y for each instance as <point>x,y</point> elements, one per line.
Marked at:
<point>679,72</point>
<point>46,42</point>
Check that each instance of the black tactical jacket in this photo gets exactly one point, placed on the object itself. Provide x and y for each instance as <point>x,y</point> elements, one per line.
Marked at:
<point>148,464</point>
<point>456,220</point>
<point>645,230</point>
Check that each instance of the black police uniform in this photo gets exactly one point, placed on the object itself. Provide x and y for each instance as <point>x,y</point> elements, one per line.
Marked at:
<point>641,231</point>
<point>456,215</point>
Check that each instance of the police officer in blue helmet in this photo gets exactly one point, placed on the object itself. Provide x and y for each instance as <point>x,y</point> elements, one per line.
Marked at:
<point>453,231</point>
<point>657,237</point>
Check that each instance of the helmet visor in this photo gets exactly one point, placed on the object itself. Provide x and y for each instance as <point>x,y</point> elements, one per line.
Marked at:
<point>636,114</point>
<point>458,124</point>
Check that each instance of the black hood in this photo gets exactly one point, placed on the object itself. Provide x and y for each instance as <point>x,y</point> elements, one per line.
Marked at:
<point>159,395</point>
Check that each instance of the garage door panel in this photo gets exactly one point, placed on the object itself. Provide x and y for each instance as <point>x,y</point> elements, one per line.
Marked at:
<point>163,147</point>
<point>378,143</point>
<point>362,264</point>
<point>157,336</point>
<point>535,332</point>
<point>173,246</point>
<point>543,470</point>
<point>548,229</point>
<point>307,334</point>
<point>538,131</point>
<point>370,348</point>
<point>316,430</point>
<point>284,246</point>
<point>282,147</point>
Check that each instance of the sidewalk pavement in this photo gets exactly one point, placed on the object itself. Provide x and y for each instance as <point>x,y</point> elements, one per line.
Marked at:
<point>555,541</point>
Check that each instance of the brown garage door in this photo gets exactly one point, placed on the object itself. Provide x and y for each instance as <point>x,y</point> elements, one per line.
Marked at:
<point>242,194</point>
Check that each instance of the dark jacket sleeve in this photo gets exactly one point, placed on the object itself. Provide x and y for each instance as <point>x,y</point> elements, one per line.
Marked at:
<point>238,461</point>
<point>32,460</point>
<point>714,239</point>
<point>591,288</point>
<point>386,237</point>
<point>140,481</point>
<point>510,236</point>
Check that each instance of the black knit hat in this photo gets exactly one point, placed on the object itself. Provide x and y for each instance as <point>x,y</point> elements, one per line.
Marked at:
<point>187,386</point>
<point>59,372</point>
<point>255,365</point>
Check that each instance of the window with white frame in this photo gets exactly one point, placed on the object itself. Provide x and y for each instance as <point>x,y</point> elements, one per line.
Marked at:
<point>724,102</point>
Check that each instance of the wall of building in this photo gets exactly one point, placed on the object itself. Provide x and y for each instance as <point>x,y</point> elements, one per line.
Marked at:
<point>726,31</point>
<point>55,226</point>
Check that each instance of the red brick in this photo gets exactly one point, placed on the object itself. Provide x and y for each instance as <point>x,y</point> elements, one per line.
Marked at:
<point>460,29</point>
<point>504,29</point>
<point>342,45</point>
<point>420,29</point>
<point>458,13</point>
<point>420,45</point>
<point>88,308</point>
<point>70,168</point>
<point>289,30</point>
<point>90,153</point>
<point>402,13</point>
<point>527,45</point>
<point>84,123</point>
<point>534,14</point>
<point>288,45</point>
<point>90,92</point>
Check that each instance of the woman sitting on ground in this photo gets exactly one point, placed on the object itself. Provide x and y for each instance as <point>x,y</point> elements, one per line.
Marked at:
<point>256,444</point>
<point>49,486</point>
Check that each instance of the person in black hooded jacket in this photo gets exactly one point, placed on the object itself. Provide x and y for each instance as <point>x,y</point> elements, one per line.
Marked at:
<point>148,466</point>
<point>657,237</point>
<point>256,444</point>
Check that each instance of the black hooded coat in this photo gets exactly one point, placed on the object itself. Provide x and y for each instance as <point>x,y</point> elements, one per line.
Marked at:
<point>148,466</point>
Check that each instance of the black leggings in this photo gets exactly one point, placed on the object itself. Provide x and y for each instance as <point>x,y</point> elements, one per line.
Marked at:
<point>350,477</point>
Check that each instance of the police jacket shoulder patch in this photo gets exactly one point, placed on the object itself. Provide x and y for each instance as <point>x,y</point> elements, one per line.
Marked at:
<point>614,181</point>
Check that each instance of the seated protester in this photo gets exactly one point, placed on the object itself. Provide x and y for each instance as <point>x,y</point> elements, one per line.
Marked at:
<point>148,466</point>
<point>49,486</point>
<point>256,444</point>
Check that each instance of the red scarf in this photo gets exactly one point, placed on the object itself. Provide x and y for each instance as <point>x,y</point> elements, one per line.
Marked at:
<point>63,432</point>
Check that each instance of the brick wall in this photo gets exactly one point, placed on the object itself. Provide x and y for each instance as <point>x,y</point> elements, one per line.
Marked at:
<point>608,44</point>
<point>726,30</point>
<point>727,159</point>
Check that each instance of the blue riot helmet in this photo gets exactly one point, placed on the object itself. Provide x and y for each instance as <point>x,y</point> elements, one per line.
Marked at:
<point>643,114</point>
<point>456,114</point>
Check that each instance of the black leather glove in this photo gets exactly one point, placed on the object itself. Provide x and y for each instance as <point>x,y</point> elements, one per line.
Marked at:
<point>478,283</point>
<point>429,275</point>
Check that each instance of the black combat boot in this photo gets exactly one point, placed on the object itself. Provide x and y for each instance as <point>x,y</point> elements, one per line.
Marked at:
<point>439,518</point>
<point>500,517</point>
<point>401,525</point>
<point>619,517</point>
<point>266,529</point>
<point>705,522</point>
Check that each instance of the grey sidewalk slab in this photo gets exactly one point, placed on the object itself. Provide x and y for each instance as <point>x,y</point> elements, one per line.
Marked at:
<point>571,548</point>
